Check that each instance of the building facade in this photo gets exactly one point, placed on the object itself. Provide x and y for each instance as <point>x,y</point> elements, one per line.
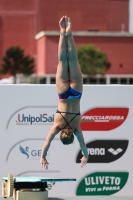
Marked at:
<point>21,21</point>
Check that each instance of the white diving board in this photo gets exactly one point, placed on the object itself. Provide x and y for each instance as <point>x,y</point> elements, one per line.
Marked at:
<point>28,187</point>
<point>38,179</point>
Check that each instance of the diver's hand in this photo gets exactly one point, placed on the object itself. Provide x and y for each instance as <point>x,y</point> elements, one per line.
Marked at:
<point>44,163</point>
<point>62,25</point>
<point>83,161</point>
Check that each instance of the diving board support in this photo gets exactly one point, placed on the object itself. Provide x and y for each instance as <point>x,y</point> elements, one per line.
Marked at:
<point>31,195</point>
<point>8,186</point>
<point>11,188</point>
<point>28,187</point>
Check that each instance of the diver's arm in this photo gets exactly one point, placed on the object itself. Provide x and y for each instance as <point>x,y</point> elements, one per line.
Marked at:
<point>80,138</point>
<point>52,133</point>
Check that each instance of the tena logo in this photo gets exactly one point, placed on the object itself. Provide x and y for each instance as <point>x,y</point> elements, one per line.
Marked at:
<point>103,119</point>
<point>102,183</point>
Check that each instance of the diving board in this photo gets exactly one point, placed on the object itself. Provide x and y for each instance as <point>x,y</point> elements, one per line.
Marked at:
<point>38,179</point>
<point>28,187</point>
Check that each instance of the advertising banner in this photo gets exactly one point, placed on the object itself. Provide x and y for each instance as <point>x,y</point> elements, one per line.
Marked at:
<point>26,116</point>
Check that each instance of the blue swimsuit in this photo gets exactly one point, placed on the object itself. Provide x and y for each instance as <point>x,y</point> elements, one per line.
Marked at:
<point>70,94</point>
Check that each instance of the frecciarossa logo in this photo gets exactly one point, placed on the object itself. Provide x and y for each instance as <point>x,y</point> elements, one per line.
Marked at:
<point>103,119</point>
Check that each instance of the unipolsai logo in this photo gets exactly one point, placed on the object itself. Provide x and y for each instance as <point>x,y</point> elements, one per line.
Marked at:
<point>104,151</point>
<point>31,116</point>
<point>103,119</point>
<point>102,183</point>
<point>42,119</point>
<point>30,153</point>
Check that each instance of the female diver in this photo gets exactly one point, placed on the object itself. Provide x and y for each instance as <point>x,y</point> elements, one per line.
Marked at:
<point>69,86</point>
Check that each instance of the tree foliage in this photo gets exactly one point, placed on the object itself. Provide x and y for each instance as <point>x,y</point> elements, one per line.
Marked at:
<point>15,62</point>
<point>92,61</point>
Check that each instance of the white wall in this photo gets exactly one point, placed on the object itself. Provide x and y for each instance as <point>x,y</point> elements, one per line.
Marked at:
<point>109,138</point>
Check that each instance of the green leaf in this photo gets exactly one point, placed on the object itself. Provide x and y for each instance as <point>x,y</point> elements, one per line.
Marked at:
<point>92,61</point>
<point>15,62</point>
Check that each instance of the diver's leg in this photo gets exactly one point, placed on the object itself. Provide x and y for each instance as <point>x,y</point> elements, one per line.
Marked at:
<point>75,74</point>
<point>62,76</point>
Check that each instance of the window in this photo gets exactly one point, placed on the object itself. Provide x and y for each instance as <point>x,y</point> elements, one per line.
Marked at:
<point>123,81</point>
<point>131,81</point>
<point>113,81</point>
<point>102,81</point>
<point>43,81</point>
<point>92,81</point>
<point>85,81</point>
<point>52,81</point>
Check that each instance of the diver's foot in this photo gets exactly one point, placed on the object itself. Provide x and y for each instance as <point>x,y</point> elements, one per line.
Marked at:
<point>68,25</point>
<point>62,25</point>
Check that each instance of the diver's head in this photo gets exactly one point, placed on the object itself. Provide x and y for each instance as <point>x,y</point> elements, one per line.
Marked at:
<point>67,136</point>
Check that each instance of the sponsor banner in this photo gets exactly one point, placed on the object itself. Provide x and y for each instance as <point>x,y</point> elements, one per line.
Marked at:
<point>29,152</point>
<point>104,151</point>
<point>32,116</point>
<point>103,119</point>
<point>26,150</point>
<point>102,183</point>
<point>108,133</point>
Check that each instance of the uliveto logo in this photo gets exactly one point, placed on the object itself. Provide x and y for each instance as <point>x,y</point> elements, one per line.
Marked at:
<point>104,151</point>
<point>103,119</point>
<point>42,119</point>
<point>102,183</point>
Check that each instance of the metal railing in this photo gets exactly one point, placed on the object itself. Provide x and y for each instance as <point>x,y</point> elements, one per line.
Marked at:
<point>98,79</point>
